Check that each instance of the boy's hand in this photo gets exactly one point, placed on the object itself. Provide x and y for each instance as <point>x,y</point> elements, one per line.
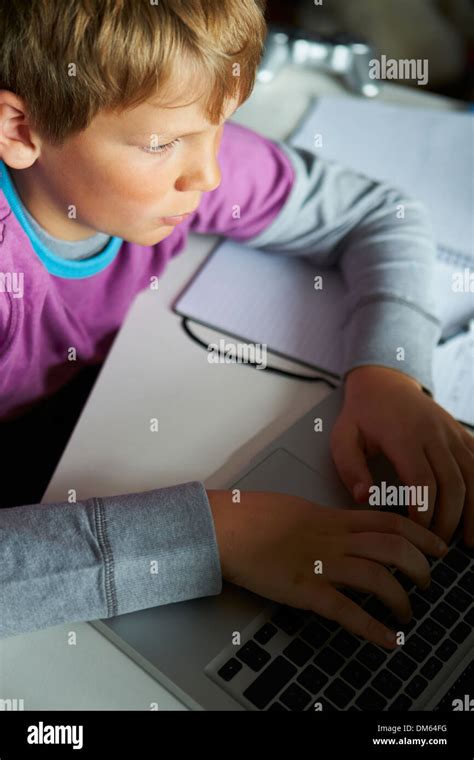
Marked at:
<point>385,410</point>
<point>269,543</point>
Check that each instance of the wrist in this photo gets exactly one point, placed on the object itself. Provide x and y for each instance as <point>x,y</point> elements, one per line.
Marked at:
<point>220,503</point>
<point>359,376</point>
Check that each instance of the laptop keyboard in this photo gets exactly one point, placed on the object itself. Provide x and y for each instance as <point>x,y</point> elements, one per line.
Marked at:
<point>292,659</point>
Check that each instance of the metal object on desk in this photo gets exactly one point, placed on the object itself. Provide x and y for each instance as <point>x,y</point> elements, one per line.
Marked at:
<point>341,55</point>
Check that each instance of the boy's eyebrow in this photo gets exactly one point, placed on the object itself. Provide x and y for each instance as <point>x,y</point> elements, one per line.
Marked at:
<point>165,133</point>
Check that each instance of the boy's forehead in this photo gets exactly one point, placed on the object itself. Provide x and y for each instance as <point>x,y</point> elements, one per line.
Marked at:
<point>169,119</point>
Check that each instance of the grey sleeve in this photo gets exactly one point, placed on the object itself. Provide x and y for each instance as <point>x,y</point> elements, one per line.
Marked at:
<point>383,243</point>
<point>65,563</point>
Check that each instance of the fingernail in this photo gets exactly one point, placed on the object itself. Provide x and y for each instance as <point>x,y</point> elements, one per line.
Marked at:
<point>442,547</point>
<point>390,637</point>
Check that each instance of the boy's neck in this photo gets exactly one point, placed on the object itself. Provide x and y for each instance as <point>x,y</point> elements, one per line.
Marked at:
<point>44,209</point>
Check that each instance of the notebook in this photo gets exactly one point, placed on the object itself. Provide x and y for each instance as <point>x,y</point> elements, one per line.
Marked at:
<point>268,297</point>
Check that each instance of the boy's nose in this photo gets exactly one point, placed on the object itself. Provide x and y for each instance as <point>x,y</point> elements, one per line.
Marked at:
<point>203,172</point>
<point>203,176</point>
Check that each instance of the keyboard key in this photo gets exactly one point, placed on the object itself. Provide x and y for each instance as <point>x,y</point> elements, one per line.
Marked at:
<point>370,700</point>
<point>372,656</point>
<point>431,631</point>
<point>288,620</point>
<point>228,671</point>
<point>468,550</point>
<point>432,593</point>
<point>446,650</point>
<point>331,625</point>
<point>431,668</point>
<point>359,597</point>
<point>403,580</point>
<point>443,575</point>
<point>445,615</point>
<point>325,705</point>
<point>459,690</point>
<point>345,643</point>
<point>416,686</point>
<point>315,634</point>
<point>312,679</point>
<point>401,704</point>
<point>417,648</point>
<point>329,661</point>
<point>461,632</point>
<point>298,652</point>
<point>386,683</point>
<point>419,606</point>
<point>295,698</point>
<point>469,618</point>
<point>376,608</point>
<point>339,693</point>
<point>277,706</point>
<point>457,560</point>
<point>467,583</point>
<point>265,633</point>
<point>393,623</point>
<point>402,666</point>
<point>458,599</point>
<point>253,655</point>
<point>270,682</point>
<point>355,674</point>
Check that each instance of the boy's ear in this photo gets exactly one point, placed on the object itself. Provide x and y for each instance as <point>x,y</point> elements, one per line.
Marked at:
<point>19,144</point>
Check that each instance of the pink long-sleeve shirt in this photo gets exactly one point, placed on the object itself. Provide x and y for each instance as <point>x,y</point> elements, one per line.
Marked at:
<point>49,305</point>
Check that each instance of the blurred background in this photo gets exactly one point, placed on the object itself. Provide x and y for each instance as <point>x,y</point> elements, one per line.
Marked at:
<point>440,31</point>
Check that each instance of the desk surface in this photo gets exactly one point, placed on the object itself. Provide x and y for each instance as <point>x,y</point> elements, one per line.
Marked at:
<point>112,451</point>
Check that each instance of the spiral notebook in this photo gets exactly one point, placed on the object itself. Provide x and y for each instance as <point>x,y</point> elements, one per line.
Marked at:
<point>264,297</point>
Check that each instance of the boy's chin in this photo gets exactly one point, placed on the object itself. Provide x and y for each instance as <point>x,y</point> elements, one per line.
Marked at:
<point>150,238</point>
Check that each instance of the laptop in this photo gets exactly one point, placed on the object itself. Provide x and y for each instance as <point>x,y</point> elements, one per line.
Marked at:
<point>289,659</point>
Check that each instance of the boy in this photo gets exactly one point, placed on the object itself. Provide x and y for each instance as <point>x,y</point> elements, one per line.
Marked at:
<point>112,118</point>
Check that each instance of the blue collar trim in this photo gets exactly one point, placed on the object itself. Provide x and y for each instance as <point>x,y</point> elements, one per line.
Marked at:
<point>73,270</point>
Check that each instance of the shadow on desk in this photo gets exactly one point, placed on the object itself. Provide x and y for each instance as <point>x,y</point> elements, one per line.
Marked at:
<point>32,444</point>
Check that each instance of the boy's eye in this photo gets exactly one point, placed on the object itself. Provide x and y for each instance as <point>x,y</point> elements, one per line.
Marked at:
<point>154,149</point>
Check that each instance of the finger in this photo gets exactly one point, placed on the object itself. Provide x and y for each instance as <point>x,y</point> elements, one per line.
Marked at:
<point>373,578</point>
<point>451,490</point>
<point>335,606</point>
<point>465,460</point>
<point>390,549</point>
<point>414,469</point>
<point>390,522</point>
<point>350,459</point>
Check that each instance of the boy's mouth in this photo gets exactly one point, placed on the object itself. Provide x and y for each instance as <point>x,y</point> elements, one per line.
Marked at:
<point>173,220</point>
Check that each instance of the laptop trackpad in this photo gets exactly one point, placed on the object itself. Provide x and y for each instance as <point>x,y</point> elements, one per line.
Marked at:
<point>281,471</point>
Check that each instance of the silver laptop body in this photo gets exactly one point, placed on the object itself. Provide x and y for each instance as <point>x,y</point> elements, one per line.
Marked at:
<point>186,646</point>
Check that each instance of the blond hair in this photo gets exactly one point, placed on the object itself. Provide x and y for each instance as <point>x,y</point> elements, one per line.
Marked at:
<point>70,59</point>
